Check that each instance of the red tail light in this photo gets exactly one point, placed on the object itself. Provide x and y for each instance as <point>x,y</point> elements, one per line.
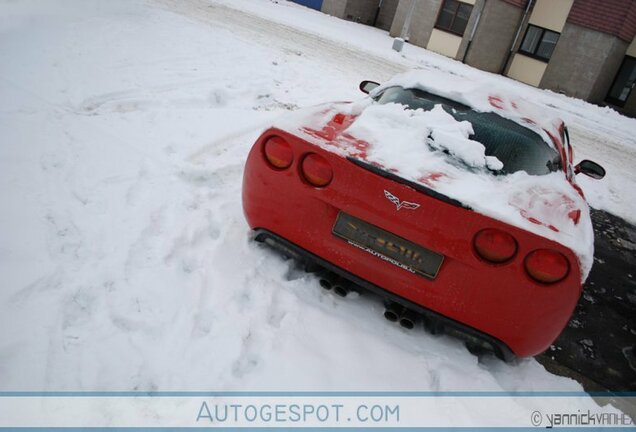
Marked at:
<point>278,153</point>
<point>547,266</point>
<point>494,245</point>
<point>316,170</point>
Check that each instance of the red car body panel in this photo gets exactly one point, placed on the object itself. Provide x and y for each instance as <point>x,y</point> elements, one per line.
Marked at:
<point>500,300</point>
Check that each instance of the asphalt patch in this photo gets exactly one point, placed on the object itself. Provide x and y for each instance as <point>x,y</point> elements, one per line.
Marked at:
<point>597,348</point>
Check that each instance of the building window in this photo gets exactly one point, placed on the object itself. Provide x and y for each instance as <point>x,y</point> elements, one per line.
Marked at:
<point>539,43</point>
<point>624,82</point>
<point>453,16</point>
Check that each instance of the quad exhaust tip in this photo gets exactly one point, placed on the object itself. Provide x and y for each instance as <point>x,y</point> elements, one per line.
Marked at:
<point>397,313</point>
<point>408,319</point>
<point>329,281</point>
<point>342,287</point>
<point>393,312</point>
<point>326,284</point>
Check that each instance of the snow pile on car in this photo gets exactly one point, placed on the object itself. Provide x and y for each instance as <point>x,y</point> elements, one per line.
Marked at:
<point>434,149</point>
<point>408,130</point>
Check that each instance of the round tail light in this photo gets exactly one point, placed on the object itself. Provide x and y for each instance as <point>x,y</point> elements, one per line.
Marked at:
<point>278,153</point>
<point>316,170</point>
<point>547,266</point>
<point>494,245</point>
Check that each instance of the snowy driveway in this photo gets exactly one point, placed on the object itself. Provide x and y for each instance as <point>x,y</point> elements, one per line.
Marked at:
<point>124,256</point>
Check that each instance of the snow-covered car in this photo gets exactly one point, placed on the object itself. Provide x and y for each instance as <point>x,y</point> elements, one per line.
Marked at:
<point>456,203</point>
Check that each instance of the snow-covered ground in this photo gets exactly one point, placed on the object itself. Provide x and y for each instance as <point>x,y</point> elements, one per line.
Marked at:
<point>124,256</point>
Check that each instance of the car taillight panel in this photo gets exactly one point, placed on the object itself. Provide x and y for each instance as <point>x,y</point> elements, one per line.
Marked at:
<point>278,153</point>
<point>316,170</point>
<point>494,245</point>
<point>547,266</point>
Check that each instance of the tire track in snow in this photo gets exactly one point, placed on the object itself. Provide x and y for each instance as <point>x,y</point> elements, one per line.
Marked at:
<point>254,29</point>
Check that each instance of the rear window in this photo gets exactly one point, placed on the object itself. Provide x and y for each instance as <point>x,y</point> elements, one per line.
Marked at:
<point>517,147</point>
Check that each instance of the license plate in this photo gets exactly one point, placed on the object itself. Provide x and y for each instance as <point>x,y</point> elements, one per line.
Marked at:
<point>387,246</point>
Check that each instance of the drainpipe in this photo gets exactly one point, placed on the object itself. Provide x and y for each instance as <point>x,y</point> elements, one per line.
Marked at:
<point>407,22</point>
<point>377,13</point>
<point>472,33</point>
<point>514,42</point>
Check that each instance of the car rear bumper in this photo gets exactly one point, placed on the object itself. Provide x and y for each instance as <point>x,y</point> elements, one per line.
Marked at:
<point>448,325</point>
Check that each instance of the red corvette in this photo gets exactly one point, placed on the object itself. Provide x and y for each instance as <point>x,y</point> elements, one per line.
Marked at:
<point>459,209</point>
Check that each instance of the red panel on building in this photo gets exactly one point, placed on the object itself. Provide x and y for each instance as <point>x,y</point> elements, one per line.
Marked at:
<point>616,17</point>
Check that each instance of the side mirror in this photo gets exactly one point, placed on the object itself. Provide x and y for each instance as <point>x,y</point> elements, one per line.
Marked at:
<point>367,86</point>
<point>590,168</point>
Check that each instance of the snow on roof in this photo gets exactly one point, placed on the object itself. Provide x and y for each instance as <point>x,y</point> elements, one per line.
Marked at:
<point>480,96</point>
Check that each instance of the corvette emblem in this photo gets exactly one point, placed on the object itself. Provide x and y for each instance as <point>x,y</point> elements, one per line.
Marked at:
<point>400,204</point>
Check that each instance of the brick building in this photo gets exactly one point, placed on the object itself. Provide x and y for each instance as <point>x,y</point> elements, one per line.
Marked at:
<point>583,48</point>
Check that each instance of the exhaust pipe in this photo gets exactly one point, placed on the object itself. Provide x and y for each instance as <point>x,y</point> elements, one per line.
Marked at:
<point>342,287</point>
<point>408,319</point>
<point>393,311</point>
<point>327,279</point>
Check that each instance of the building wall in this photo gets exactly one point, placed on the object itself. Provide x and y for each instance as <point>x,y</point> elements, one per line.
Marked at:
<point>422,21</point>
<point>387,13</point>
<point>334,7</point>
<point>362,11</point>
<point>494,35</point>
<point>527,70</point>
<point>550,14</point>
<point>444,43</point>
<point>478,6</point>
<point>422,31</point>
<point>594,38</point>
<point>400,15</point>
<point>631,51</point>
<point>613,59</point>
<point>584,63</point>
